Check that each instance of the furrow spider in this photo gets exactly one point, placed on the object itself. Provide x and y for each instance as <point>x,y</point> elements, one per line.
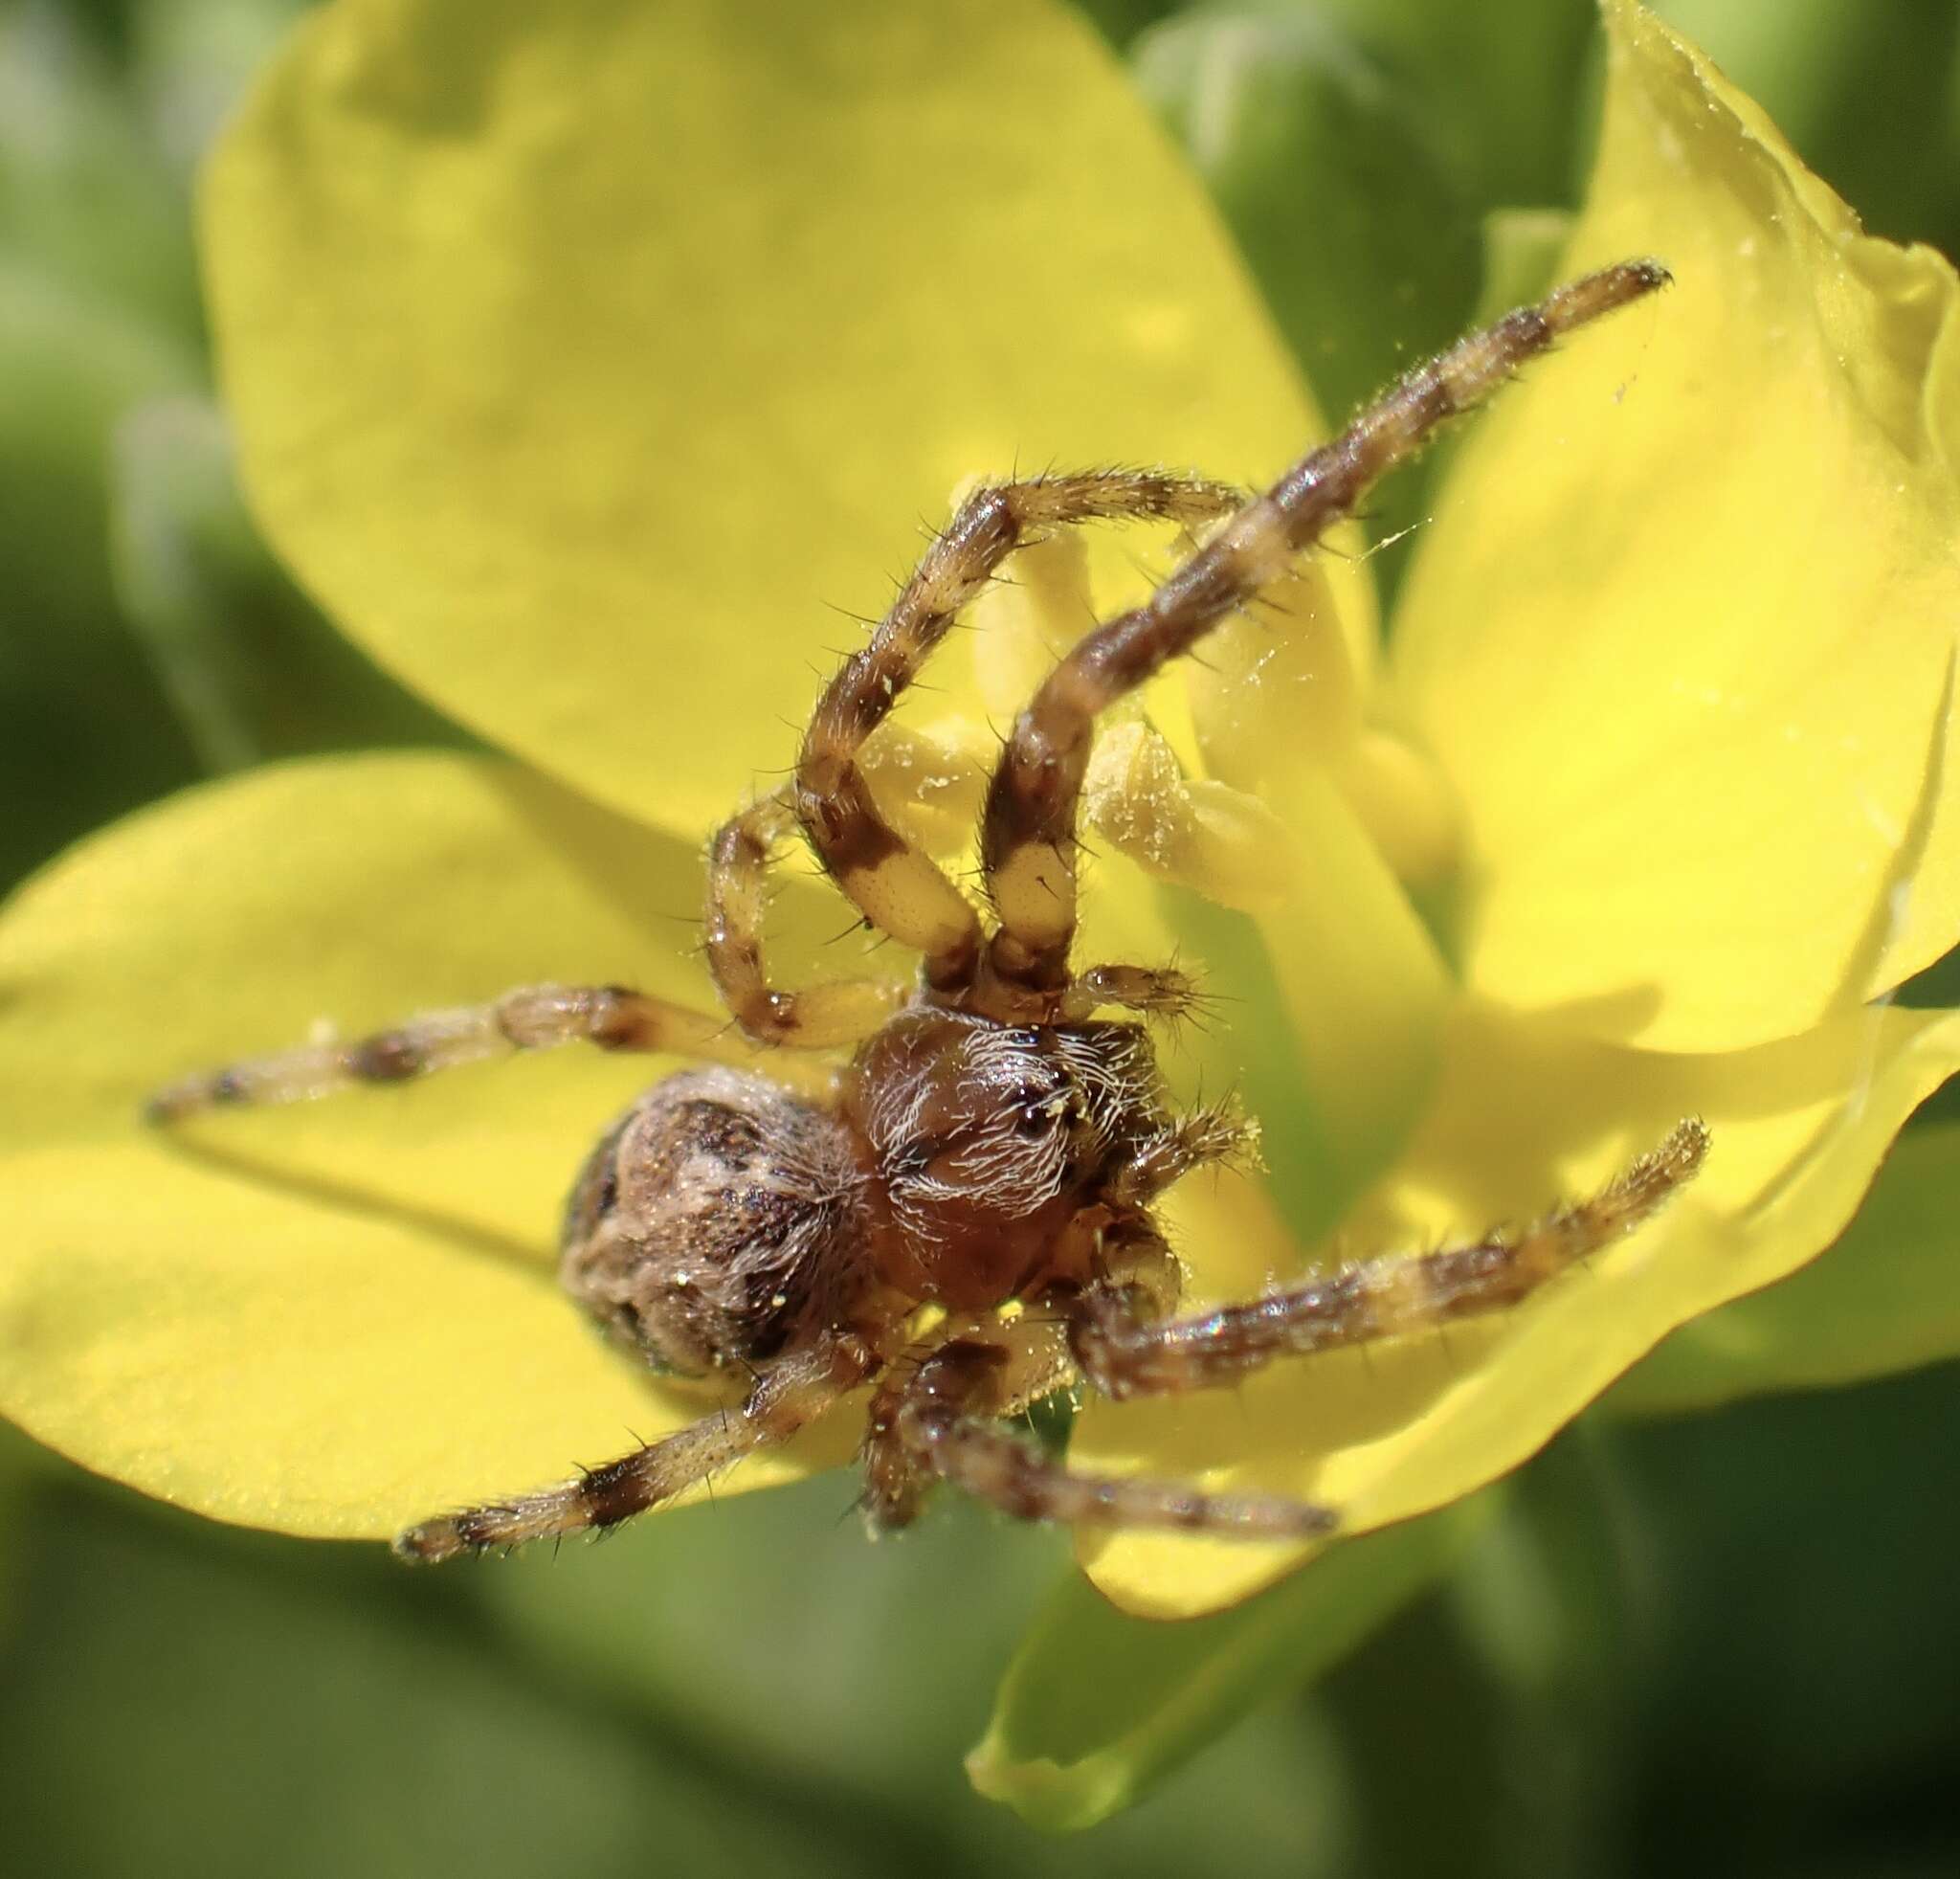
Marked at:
<point>988,1139</point>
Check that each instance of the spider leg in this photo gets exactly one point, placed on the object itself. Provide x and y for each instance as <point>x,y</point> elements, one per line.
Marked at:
<point>1028,842</point>
<point>1157,992</point>
<point>531,1017</point>
<point>787,1399</point>
<point>837,1012</point>
<point>940,1423</point>
<point>897,886</point>
<point>1035,1363</point>
<point>1126,1345</point>
<point>1190,1141</point>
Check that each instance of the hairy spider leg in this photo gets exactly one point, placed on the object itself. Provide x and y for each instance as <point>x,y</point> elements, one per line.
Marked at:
<point>897,1479</point>
<point>1126,1345</point>
<point>1155,990</point>
<point>936,1417</point>
<point>940,1421</point>
<point>787,1399</point>
<point>1027,841</point>
<point>816,1016</point>
<point>1218,1132</point>
<point>531,1017</point>
<point>900,890</point>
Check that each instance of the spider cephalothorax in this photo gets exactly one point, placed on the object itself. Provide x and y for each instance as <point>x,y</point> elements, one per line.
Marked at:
<point>988,1140</point>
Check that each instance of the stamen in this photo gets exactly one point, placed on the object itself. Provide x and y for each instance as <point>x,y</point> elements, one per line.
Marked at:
<point>1206,836</point>
<point>931,780</point>
<point>1281,683</point>
<point>1028,618</point>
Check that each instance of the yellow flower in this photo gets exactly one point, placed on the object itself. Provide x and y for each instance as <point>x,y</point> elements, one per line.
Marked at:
<point>580,355</point>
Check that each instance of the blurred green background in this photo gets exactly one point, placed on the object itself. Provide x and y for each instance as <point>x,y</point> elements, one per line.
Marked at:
<point>1727,1643</point>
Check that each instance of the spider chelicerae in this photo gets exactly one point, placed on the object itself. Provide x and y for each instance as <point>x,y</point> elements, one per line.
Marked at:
<point>989,1140</point>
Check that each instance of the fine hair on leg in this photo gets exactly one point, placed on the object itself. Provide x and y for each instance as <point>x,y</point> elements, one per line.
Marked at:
<point>1126,1348</point>
<point>1028,830</point>
<point>531,1017</point>
<point>899,888</point>
<point>785,1401</point>
<point>813,1017</point>
<point>945,1422</point>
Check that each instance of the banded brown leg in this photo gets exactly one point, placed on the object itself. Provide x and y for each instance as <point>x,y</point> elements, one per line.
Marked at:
<point>1028,830</point>
<point>944,1422</point>
<point>899,888</point>
<point>786,1400</point>
<point>1126,1346</point>
<point>531,1017</point>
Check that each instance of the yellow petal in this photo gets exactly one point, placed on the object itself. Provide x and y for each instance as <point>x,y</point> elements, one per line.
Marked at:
<point>1332,992</point>
<point>1524,1114</point>
<point>1366,994</point>
<point>336,1317</point>
<point>1679,631</point>
<point>1096,1709</point>
<point>1884,1298</point>
<point>585,357</point>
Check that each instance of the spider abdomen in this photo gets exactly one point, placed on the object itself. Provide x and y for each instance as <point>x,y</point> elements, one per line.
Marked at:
<point>717,1221</point>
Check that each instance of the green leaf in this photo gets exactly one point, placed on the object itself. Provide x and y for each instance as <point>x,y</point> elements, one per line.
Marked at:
<point>1521,251</point>
<point>749,1615</point>
<point>1526,1658</point>
<point>1541,1593</point>
<point>1120,21</point>
<point>247,662</point>
<point>81,189</point>
<point>1801,1677</point>
<point>1499,83</point>
<point>253,1709</point>
<point>20,1461</point>
<point>71,680</point>
<point>1884,1298</point>
<point>787,1641</point>
<point>189,60</point>
<point>1325,171</point>
<point>1098,1708</point>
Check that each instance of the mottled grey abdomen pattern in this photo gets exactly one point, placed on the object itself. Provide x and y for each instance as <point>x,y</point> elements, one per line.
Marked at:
<point>717,1218</point>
